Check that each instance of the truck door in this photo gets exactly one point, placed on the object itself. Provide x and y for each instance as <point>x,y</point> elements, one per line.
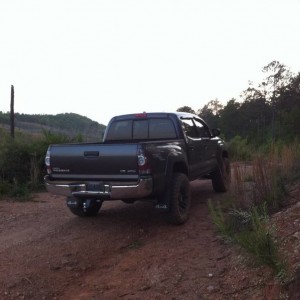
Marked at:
<point>194,147</point>
<point>208,146</point>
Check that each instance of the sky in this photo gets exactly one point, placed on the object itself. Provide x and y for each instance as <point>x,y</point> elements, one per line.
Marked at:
<point>102,58</point>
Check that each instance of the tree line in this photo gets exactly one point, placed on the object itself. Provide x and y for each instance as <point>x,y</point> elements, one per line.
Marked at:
<point>269,111</point>
<point>66,123</point>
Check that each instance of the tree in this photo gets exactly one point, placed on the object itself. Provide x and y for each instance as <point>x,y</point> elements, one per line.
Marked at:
<point>278,77</point>
<point>214,106</point>
<point>254,93</point>
<point>186,109</point>
<point>288,106</point>
<point>210,112</point>
<point>230,119</point>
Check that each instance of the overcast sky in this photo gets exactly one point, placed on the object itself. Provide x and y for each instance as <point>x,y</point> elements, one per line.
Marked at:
<point>103,58</point>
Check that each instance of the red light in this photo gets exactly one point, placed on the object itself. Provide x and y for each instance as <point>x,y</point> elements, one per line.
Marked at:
<point>142,115</point>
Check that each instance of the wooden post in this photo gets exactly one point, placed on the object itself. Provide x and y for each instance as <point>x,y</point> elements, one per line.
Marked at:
<point>12,113</point>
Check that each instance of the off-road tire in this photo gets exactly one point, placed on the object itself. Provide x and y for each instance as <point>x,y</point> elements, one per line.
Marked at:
<point>221,177</point>
<point>179,199</point>
<point>91,211</point>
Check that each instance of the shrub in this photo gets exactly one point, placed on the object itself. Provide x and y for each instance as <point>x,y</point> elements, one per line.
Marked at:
<point>22,162</point>
<point>239,149</point>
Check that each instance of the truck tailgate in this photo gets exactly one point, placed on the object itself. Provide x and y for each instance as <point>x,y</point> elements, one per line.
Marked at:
<point>94,161</point>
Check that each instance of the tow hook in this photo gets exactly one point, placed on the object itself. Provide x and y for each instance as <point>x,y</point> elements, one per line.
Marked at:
<point>86,204</point>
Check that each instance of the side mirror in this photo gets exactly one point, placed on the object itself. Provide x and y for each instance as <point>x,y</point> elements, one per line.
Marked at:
<point>216,131</point>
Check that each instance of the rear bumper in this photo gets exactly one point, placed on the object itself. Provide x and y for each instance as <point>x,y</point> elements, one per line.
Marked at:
<point>141,189</point>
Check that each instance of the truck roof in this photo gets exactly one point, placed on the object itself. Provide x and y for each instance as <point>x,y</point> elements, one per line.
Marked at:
<point>155,115</point>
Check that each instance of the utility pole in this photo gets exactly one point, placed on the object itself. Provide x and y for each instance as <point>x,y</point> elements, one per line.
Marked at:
<point>12,113</point>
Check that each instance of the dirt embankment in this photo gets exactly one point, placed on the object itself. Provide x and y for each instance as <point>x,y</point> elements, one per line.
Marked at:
<point>127,252</point>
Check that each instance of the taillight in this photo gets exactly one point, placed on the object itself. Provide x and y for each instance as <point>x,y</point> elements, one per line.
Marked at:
<point>143,162</point>
<point>47,161</point>
<point>142,115</point>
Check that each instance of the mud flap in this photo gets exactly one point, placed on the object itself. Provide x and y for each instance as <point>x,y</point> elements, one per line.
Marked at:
<point>162,206</point>
<point>163,202</point>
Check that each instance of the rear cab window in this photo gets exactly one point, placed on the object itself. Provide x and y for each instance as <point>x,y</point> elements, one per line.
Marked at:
<point>141,129</point>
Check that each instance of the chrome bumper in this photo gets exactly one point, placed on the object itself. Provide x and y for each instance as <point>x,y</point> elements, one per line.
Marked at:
<point>110,191</point>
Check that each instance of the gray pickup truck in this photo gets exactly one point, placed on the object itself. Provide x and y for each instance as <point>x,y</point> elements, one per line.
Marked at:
<point>148,156</point>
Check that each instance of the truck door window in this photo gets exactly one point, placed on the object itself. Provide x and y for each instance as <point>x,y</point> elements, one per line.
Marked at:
<point>189,128</point>
<point>203,131</point>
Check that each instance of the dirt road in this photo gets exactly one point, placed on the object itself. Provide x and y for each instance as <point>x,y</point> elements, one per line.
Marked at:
<point>127,252</point>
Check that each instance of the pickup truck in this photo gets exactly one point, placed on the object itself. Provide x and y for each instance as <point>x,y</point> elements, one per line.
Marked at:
<point>148,156</point>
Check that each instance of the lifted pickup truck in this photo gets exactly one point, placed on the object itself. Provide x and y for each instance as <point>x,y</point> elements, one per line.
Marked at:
<point>148,156</point>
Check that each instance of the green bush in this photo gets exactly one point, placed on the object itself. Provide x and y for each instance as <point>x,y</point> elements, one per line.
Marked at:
<point>239,149</point>
<point>5,188</point>
<point>22,161</point>
<point>249,230</point>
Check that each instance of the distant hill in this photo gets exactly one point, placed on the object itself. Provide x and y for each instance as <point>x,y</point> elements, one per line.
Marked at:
<point>69,124</point>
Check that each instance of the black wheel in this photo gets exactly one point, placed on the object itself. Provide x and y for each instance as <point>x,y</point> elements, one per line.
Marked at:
<point>84,208</point>
<point>179,199</point>
<point>221,177</point>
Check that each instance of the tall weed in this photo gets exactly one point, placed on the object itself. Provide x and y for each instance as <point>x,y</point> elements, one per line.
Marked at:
<point>258,189</point>
<point>239,149</point>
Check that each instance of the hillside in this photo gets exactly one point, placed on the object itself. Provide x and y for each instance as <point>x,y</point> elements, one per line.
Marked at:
<point>69,124</point>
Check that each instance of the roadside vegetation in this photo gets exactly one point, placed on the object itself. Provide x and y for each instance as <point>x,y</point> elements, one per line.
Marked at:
<point>22,162</point>
<point>259,189</point>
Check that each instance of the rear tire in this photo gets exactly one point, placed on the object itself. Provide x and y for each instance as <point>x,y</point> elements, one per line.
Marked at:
<point>84,210</point>
<point>221,177</point>
<point>179,199</point>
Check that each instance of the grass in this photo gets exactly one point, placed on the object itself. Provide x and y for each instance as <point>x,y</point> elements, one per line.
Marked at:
<point>218,218</point>
<point>18,191</point>
<point>257,192</point>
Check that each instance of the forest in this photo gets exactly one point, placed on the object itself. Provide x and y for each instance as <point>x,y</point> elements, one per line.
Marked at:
<point>265,113</point>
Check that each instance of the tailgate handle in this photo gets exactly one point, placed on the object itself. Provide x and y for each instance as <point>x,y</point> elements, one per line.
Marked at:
<point>91,153</point>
